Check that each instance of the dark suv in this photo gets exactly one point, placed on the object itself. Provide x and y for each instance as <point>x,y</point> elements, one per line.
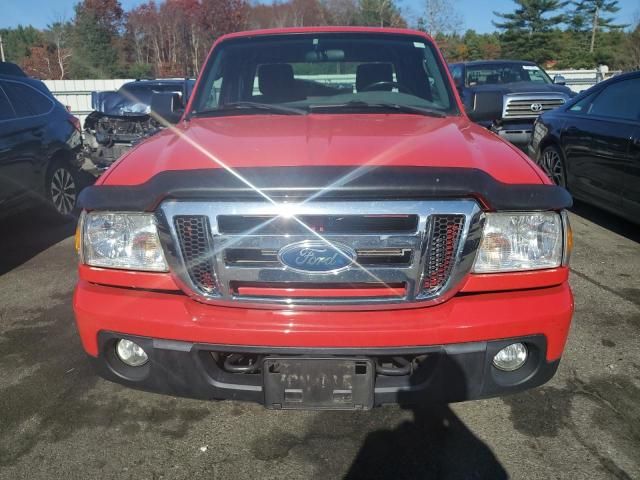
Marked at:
<point>39,141</point>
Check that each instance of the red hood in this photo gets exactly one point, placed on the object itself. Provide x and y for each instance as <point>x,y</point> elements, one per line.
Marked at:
<point>342,139</point>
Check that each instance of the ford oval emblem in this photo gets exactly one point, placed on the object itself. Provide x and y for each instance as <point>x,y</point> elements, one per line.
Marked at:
<point>316,257</point>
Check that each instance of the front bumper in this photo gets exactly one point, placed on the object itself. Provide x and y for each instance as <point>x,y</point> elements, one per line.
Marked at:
<point>518,137</point>
<point>447,373</point>
<point>458,337</point>
<point>95,159</point>
<point>518,134</point>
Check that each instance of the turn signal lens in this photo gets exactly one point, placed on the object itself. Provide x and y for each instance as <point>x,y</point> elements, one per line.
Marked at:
<point>77,239</point>
<point>568,238</point>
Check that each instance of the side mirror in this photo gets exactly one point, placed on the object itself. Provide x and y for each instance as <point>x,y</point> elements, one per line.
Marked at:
<point>559,80</point>
<point>167,106</point>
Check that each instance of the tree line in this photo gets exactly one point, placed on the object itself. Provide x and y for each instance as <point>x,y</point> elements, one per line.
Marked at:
<point>172,37</point>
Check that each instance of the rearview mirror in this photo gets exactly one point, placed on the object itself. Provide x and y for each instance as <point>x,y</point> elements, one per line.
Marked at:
<point>324,56</point>
<point>167,106</point>
<point>559,80</point>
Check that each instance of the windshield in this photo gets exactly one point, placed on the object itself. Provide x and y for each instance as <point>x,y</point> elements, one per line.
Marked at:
<point>495,73</point>
<point>324,73</point>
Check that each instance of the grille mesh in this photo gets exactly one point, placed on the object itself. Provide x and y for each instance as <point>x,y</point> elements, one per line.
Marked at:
<point>446,230</point>
<point>195,243</point>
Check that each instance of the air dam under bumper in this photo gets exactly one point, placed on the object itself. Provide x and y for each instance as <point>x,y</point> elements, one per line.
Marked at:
<point>447,373</point>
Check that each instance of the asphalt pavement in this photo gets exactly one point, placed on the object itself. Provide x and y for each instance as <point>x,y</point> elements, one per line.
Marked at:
<point>58,420</point>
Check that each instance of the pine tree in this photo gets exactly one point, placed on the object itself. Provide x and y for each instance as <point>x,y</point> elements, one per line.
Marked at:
<point>18,41</point>
<point>531,16</point>
<point>596,14</point>
<point>96,32</point>
<point>530,32</point>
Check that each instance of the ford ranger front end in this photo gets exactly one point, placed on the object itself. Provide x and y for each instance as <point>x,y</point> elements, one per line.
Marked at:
<point>325,228</point>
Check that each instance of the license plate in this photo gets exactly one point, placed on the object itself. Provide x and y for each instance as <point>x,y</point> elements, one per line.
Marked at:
<point>318,383</point>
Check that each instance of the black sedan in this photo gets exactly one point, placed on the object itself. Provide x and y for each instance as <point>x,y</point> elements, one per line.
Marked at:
<point>39,142</point>
<point>591,145</point>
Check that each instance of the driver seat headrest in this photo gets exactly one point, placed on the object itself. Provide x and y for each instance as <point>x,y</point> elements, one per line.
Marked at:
<point>371,73</point>
<point>275,80</point>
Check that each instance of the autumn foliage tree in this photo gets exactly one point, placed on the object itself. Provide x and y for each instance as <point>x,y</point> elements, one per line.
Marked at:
<point>50,56</point>
<point>41,62</point>
<point>171,38</point>
<point>294,13</point>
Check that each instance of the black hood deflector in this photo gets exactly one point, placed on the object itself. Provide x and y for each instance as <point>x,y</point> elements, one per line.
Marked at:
<point>326,183</point>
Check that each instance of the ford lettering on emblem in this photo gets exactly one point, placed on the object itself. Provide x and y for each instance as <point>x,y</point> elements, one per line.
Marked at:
<point>316,257</point>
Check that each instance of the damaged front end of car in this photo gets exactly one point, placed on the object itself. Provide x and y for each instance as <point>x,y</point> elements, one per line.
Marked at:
<point>121,119</point>
<point>107,137</point>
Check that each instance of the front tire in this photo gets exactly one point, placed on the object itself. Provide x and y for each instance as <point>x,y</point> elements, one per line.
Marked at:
<point>552,162</point>
<point>63,184</point>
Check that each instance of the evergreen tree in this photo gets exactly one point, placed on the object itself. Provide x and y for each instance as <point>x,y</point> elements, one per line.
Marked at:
<point>18,41</point>
<point>531,31</point>
<point>633,47</point>
<point>95,39</point>
<point>596,15</point>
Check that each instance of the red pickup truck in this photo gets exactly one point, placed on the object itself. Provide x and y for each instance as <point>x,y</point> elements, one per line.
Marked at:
<point>324,228</point>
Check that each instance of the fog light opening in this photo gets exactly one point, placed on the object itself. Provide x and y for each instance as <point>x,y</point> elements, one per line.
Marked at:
<point>511,357</point>
<point>130,353</point>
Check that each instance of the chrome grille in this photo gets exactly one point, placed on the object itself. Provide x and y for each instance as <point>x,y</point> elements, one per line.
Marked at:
<point>251,257</point>
<point>530,105</point>
<point>405,251</point>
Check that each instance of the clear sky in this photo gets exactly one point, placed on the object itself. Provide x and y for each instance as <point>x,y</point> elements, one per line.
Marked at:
<point>476,14</point>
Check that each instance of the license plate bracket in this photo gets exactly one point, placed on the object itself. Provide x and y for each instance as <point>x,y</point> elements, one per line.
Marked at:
<point>318,383</point>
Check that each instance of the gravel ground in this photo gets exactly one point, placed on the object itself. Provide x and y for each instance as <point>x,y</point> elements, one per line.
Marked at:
<point>58,420</point>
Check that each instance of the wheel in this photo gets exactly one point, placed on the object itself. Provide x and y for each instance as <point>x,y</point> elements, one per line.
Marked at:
<point>63,186</point>
<point>552,162</point>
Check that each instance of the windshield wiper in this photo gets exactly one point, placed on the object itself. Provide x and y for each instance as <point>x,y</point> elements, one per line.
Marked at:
<point>356,104</point>
<point>230,107</point>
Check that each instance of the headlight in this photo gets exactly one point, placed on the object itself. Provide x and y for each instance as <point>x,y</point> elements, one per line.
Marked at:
<point>122,240</point>
<point>520,241</point>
